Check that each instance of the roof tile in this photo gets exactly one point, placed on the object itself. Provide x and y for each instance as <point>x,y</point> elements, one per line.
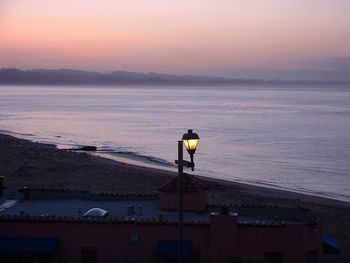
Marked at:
<point>190,184</point>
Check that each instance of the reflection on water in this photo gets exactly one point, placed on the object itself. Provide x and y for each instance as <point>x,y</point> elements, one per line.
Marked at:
<point>291,138</point>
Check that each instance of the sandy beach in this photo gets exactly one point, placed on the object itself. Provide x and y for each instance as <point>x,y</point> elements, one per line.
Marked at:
<point>47,167</point>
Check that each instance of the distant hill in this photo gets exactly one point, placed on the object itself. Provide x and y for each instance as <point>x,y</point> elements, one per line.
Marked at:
<point>78,77</point>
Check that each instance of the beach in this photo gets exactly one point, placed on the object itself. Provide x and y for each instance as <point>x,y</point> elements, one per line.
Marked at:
<point>44,166</point>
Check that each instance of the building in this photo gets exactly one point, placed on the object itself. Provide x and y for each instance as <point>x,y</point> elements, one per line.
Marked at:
<point>59,225</point>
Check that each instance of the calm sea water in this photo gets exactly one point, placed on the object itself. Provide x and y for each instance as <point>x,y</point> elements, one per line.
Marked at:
<point>290,137</point>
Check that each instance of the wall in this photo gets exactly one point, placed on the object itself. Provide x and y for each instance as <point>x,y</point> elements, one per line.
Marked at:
<point>293,241</point>
<point>223,237</point>
<point>209,243</point>
<point>193,201</point>
<point>112,240</point>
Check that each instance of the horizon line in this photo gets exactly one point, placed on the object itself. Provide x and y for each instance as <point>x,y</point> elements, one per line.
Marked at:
<point>193,75</point>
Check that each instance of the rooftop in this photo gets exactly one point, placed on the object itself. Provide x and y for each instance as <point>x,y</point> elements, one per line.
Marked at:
<point>190,184</point>
<point>143,210</point>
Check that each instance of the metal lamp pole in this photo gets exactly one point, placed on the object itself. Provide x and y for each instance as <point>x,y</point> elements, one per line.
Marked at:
<point>190,140</point>
<point>181,198</point>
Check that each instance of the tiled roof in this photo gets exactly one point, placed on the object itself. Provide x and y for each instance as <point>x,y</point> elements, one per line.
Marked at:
<point>104,220</point>
<point>68,219</point>
<point>264,224</point>
<point>245,205</point>
<point>272,212</point>
<point>42,189</point>
<point>190,184</point>
<point>103,194</point>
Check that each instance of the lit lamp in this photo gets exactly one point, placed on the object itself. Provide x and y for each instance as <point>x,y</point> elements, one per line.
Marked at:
<point>190,140</point>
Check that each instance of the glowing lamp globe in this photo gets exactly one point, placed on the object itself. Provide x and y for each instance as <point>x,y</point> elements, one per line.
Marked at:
<point>190,141</point>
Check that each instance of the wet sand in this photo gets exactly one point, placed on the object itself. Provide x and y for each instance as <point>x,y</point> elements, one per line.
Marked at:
<point>47,167</point>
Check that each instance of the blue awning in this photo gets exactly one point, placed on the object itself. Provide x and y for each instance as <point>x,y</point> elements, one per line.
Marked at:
<point>330,245</point>
<point>169,249</point>
<point>28,244</point>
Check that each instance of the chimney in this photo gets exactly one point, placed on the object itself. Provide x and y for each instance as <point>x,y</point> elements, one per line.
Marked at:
<point>131,210</point>
<point>24,193</point>
<point>224,210</point>
<point>223,235</point>
<point>140,211</point>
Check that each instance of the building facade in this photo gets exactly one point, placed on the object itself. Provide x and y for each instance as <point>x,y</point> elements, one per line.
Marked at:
<point>50,225</point>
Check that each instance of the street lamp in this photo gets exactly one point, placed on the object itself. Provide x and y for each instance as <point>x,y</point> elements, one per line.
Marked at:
<point>190,140</point>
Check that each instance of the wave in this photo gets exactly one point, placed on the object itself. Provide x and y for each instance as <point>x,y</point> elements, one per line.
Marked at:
<point>15,133</point>
<point>298,189</point>
<point>127,152</point>
<point>130,152</point>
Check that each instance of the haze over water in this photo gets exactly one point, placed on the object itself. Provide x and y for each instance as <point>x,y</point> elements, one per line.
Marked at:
<point>295,138</point>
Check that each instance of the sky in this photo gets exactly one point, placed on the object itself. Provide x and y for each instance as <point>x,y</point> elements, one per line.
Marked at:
<point>292,39</point>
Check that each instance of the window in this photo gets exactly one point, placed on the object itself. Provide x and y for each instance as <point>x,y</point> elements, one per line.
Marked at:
<point>89,255</point>
<point>274,257</point>
<point>134,239</point>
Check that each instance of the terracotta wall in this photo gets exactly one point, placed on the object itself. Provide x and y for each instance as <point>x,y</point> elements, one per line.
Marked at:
<point>210,243</point>
<point>193,201</point>
<point>112,240</point>
<point>223,237</point>
<point>293,241</point>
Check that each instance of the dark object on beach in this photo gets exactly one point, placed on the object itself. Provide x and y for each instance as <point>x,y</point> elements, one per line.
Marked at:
<point>87,148</point>
<point>21,171</point>
<point>83,148</point>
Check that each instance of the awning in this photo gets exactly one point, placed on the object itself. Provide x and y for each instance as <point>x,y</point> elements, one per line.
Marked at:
<point>28,244</point>
<point>330,245</point>
<point>169,249</point>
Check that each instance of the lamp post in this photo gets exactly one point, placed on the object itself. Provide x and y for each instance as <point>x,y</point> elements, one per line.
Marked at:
<point>190,140</point>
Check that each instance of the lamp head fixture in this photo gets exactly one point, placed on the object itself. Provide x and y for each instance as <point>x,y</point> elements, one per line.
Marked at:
<point>190,140</point>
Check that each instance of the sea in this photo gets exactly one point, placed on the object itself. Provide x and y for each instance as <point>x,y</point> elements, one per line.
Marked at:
<point>294,138</point>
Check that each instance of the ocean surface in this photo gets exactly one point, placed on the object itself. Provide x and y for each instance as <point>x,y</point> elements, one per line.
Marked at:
<point>293,138</point>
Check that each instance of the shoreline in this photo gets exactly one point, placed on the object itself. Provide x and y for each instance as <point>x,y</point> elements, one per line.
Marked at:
<point>138,161</point>
<point>48,167</point>
<point>272,192</point>
<point>278,193</point>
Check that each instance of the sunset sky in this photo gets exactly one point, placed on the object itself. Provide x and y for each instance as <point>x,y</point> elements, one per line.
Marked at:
<point>262,38</point>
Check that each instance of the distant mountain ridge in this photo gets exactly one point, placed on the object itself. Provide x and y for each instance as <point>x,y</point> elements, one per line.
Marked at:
<point>14,76</point>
